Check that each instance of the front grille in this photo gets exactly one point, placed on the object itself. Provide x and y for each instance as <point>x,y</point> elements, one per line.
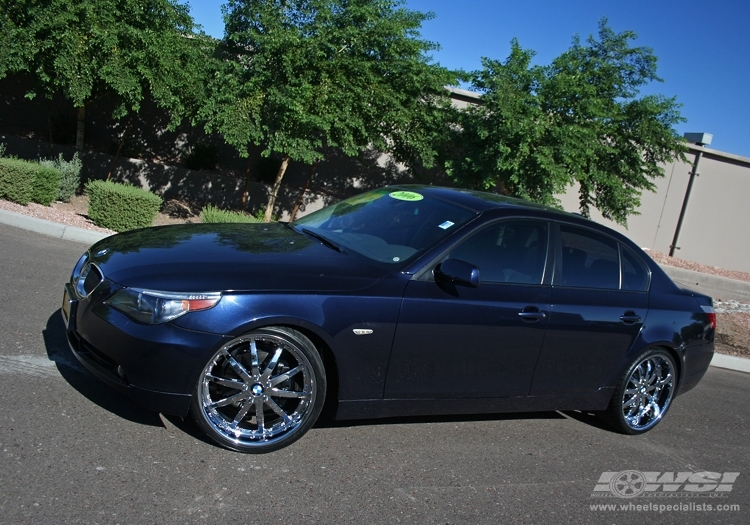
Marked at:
<point>89,279</point>
<point>93,278</point>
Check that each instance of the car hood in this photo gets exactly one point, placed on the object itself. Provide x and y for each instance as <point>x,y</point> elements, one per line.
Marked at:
<point>223,257</point>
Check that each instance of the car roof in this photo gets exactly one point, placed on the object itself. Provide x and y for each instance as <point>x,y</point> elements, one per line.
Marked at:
<point>481,201</point>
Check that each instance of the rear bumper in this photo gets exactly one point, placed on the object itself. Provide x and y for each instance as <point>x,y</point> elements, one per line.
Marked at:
<point>695,364</point>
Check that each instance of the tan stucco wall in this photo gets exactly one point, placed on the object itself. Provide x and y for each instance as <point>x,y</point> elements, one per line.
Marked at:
<point>716,228</point>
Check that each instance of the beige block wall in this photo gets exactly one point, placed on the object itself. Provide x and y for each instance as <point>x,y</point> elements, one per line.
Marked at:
<point>716,227</point>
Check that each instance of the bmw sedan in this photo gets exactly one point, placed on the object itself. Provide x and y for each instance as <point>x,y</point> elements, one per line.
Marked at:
<point>408,300</point>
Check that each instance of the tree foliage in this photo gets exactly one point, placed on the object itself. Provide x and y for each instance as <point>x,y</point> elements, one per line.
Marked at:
<point>84,49</point>
<point>540,129</point>
<point>302,76</point>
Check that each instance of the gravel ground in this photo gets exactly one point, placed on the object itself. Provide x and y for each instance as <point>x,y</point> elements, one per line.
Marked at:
<point>732,335</point>
<point>663,258</point>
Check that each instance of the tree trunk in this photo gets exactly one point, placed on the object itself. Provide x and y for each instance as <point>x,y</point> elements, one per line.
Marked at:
<point>275,189</point>
<point>81,127</point>
<point>304,190</point>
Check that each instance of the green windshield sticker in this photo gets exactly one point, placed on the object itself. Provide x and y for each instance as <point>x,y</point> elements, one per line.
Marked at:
<point>406,196</point>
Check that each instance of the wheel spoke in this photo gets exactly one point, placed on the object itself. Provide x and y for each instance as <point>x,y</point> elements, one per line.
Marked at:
<point>280,411</point>
<point>271,364</point>
<point>631,402</point>
<point>287,393</point>
<point>228,401</point>
<point>254,356</point>
<point>237,367</point>
<point>244,409</point>
<point>229,383</point>
<point>260,418</point>
<point>286,375</point>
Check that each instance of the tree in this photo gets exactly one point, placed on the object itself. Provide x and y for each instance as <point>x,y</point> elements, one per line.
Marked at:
<point>540,129</point>
<point>85,49</point>
<point>303,76</point>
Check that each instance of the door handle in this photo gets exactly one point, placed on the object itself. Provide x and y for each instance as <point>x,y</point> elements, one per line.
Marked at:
<point>531,314</point>
<point>630,317</point>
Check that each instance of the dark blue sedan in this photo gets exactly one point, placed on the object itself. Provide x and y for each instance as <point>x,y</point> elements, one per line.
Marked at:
<point>401,301</point>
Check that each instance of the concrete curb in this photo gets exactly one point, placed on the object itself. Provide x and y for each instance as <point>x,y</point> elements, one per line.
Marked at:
<point>53,229</point>
<point>713,285</point>
<point>730,362</point>
<point>71,233</point>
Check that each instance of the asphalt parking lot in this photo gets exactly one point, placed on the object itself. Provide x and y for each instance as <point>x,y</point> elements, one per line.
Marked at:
<point>74,451</point>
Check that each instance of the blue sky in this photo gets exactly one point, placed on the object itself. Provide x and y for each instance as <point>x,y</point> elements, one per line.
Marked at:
<point>703,47</point>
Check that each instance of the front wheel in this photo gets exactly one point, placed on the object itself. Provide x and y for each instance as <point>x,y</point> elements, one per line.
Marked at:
<point>261,391</point>
<point>644,394</point>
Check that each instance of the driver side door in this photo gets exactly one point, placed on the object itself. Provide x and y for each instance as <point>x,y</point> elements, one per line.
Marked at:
<point>459,341</point>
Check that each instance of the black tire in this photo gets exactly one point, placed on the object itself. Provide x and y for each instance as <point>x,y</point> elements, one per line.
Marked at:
<point>261,391</point>
<point>644,394</point>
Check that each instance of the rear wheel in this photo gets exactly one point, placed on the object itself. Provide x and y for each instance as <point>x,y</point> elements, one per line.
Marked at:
<point>261,391</point>
<point>644,394</point>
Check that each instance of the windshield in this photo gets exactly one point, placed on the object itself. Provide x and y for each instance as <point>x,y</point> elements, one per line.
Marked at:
<point>386,225</point>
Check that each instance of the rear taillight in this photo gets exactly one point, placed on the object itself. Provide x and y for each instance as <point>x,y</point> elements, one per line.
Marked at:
<point>711,313</point>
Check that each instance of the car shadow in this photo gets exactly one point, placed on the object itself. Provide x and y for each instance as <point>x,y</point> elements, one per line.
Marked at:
<point>325,421</point>
<point>58,351</point>
<point>589,418</point>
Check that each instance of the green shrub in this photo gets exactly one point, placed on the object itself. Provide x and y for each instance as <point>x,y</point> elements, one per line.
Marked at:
<point>121,207</point>
<point>213,214</point>
<point>2,150</point>
<point>46,184</point>
<point>70,175</point>
<point>17,180</point>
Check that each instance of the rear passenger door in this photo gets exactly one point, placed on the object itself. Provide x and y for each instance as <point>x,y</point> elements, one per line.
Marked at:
<point>600,299</point>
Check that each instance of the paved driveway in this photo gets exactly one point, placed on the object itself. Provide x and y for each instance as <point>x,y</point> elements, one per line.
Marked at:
<point>74,451</point>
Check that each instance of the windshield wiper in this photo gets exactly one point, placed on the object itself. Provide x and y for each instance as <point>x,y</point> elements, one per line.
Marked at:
<point>322,239</point>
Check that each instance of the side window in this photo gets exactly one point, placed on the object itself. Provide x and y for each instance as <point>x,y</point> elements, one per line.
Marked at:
<point>510,251</point>
<point>589,260</point>
<point>635,273</point>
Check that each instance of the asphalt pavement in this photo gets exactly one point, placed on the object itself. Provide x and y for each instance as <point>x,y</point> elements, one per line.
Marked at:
<point>72,450</point>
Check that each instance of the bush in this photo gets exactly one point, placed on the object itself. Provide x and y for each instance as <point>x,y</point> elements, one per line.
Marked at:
<point>2,150</point>
<point>17,178</point>
<point>121,207</point>
<point>211,214</point>
<point>46,184</point>
<point>70,175</point>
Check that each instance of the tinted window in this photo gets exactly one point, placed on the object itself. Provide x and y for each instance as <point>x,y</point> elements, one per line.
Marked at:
<point>635,274</point>
<point>589,260</point>
<point>512,251</point>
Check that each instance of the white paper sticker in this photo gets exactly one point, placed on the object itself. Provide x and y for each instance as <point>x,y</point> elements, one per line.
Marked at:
<point>446,225</point>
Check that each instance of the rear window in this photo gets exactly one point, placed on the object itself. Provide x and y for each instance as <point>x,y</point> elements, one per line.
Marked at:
<point>589,260</point>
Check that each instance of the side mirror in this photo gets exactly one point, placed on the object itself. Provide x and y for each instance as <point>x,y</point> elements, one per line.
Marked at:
<point>457,272</point>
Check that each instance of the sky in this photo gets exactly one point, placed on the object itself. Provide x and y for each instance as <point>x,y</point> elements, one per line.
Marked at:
<point>703,48</point>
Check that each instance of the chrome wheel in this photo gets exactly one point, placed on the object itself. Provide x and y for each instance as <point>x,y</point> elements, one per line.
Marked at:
<point>644,394</point>
<point>260,391</point>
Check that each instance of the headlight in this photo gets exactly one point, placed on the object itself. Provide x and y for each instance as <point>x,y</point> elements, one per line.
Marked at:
<point>152,307</point>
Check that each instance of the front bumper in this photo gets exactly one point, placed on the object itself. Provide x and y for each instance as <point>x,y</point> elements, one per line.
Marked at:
<point>155,365</point>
